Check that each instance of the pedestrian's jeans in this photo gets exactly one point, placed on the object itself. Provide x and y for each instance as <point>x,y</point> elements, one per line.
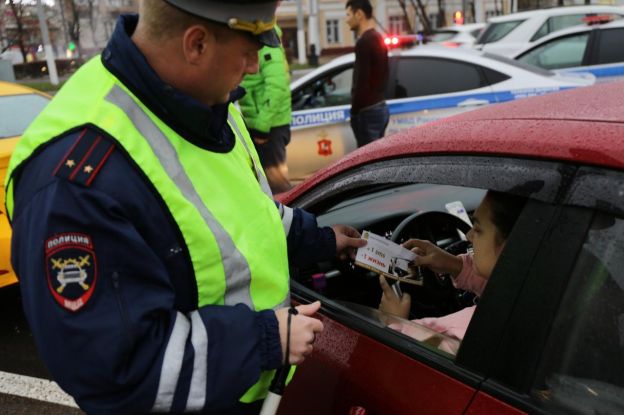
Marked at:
<point>370,123</point>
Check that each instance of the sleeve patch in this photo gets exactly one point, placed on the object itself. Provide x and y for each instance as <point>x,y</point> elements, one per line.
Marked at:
<point>85,158</point>
<point>71,269</point>
<point>267,57</point>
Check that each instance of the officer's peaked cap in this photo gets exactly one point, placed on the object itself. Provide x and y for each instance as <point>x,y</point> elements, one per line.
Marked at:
<point>253,16</point>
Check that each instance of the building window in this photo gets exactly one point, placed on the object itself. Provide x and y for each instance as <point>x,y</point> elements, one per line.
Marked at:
<point>396,24</point>
<point>333,30</point>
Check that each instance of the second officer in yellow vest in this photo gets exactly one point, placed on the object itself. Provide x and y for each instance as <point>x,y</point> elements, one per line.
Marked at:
<point>153,262</point>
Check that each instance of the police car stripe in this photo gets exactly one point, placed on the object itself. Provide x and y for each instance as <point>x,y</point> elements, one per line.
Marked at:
<point>238,275</point>
<point>339,114</point>
<point>199,339</point>
<point>172,364</point>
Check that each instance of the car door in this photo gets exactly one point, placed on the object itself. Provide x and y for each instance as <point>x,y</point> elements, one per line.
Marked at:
<point>424,89</point>
<point>320,128</point>
<point>562,351</point>
<point>606,57</point>
<point>358,363</point>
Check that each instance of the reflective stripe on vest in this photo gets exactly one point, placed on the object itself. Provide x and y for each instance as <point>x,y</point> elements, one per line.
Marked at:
<point>235,265</point>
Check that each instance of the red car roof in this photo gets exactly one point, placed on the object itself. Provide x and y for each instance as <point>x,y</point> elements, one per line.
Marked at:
<point>584,125</point>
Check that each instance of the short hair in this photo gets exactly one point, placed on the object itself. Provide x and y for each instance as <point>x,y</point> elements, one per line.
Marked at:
<point>163,20</point>
<point>363,5</point>
<point>505,208</point>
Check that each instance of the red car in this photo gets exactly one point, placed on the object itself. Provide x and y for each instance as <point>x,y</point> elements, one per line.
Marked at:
<point>547,336</point>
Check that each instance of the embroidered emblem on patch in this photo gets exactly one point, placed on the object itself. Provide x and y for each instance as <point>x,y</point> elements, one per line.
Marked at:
<point>71,269</point>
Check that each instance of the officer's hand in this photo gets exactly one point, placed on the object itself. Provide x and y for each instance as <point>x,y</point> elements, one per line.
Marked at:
<point>348,240</point>
<point>303,331</point>
<point>392,304</point>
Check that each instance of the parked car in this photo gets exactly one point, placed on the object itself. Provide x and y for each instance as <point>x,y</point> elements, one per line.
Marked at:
<point>546,337</point>
<point>456,35</point>
<point>596,49</point>
<point>19,105</point>
<point>426,83</point>
<point>507,35</point>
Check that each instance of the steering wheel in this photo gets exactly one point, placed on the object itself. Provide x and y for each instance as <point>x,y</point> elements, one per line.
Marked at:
<point>437,296</point>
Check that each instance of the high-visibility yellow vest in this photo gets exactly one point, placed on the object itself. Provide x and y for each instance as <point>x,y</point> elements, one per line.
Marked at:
<point>221,202</point>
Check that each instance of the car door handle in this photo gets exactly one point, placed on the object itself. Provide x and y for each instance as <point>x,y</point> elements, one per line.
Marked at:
<point>473,102</point>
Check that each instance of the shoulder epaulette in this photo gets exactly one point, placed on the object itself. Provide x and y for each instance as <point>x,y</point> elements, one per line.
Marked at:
<point>85,158</point>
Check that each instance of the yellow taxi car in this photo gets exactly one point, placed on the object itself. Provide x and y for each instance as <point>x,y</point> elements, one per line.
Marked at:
<point>19,105</point>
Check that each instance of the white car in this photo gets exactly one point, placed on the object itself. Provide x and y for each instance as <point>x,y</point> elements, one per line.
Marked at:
<point>507,35</point>
<point>456,35</point>
<point>597,49</point>
<point>425,83</point>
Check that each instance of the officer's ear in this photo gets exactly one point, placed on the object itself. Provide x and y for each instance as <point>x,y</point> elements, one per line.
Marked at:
<point>197,42</point>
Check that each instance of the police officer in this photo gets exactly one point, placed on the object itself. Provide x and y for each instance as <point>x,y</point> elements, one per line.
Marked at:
<point>153,262</point>
<point>266,109</point>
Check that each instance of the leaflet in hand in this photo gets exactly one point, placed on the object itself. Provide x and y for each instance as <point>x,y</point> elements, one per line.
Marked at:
<point>387,258</point>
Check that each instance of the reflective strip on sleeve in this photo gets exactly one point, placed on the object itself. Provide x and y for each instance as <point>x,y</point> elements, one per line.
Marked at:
<point>287,217</point>
<point>172,364</point>
<point>199,339</point>
<point>238,275</point>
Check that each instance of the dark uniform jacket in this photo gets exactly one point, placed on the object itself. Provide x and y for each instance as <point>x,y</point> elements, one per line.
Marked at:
<point>108,352</point>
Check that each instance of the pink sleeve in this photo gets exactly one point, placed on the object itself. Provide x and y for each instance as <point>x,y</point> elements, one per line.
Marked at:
<point>468,279</point>
<point>454,325</point>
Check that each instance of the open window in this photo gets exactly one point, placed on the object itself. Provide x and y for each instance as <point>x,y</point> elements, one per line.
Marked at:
<point>403,199</point>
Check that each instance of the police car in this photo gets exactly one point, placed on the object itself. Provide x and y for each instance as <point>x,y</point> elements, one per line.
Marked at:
<point>507,35</point>
<point>425,83</point>
<point>597,49</point>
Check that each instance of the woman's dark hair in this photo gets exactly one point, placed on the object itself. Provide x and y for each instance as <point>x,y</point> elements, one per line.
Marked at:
<point>363,5</point>
<point>504,209</point>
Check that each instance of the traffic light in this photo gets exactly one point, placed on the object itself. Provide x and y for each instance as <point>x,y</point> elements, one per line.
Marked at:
<point>458,17</point>
<point>71,46</point>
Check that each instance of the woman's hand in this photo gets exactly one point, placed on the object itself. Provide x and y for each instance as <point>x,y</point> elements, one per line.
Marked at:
<point>433,257</point>
<point>392,304</point>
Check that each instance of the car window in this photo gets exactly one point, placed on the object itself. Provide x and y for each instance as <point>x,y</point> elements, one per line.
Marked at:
<point>329,90</point>
<point>494,77</point>
<point>552,24</point>
<point>441,35</point>
<point>401,212</point>
<point>18,111</point>
<point>559,53</point>
<point>610,49</point>
<point>496,31</point>
<point>581,365</point>
<point>417,77</point>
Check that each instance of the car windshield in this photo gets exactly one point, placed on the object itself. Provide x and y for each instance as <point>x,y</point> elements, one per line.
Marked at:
<point>18,111</point>
<point>441,36</point>
<point>496,31</point>
<point>518,64</point>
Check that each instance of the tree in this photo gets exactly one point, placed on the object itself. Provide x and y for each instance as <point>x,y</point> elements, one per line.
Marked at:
<point>73,24</point>
<point>421,13</point>
<point>17,10</point>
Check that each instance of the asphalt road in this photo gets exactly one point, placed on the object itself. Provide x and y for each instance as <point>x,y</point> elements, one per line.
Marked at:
<point>25,387</point>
